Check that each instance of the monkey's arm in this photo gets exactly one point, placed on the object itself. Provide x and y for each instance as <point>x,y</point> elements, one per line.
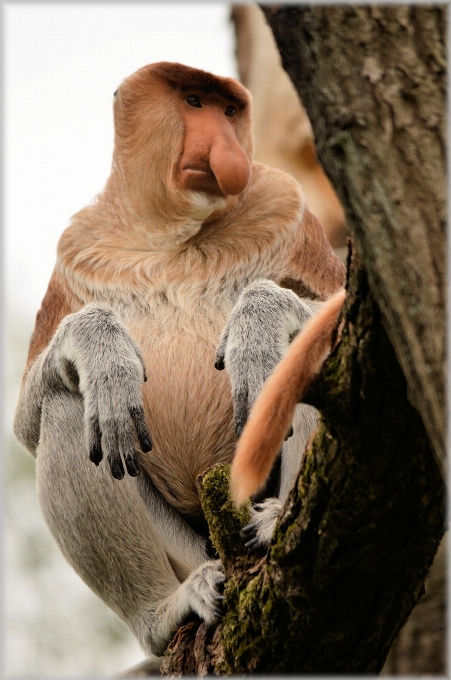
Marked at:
<point>91,353</point>
<point>262,324</point>
<point>273,411</point>
<point>57,303</point>
<point>314,262</point>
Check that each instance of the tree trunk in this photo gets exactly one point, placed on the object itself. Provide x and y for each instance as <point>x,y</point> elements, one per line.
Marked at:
<point>359,532</point>
<point>420,648</point>
<point>373,82</point>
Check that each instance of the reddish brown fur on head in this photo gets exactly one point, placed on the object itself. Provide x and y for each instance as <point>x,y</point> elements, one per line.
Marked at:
<point>166,148</point>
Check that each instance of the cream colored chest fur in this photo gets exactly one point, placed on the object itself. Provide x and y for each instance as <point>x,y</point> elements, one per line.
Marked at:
<point>175,299</point>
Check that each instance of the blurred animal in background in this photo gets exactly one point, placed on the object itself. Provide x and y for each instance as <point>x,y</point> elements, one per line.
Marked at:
<point>192,254</point>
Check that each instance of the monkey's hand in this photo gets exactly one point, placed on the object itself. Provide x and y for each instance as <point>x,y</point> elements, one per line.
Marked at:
<point>262,324</point>
<point>93,353</point>
<point>258,533</point>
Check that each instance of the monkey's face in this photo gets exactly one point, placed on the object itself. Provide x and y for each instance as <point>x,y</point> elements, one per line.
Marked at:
<point>182,134</point>
<point>212,161</point>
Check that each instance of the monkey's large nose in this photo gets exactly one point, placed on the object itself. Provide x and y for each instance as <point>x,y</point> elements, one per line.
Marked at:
<point>229,164</point>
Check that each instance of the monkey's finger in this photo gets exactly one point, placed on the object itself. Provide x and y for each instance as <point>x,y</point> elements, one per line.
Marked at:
<point>219,363</point>
<point>289,433</point>
<point>253,546</point>
<point>220,356</point>
<point>94,441</point>
<point>95,454</point>
<point>132,466</point>
<point>110,426</point>
<point>220,585</point>
<point>116,467</point>
<point>248,532</point>
<point>127,447</point>
<point>92,430</point>
<point>139,355</point>
<point>218,605</point>
<point>240,406</point>
<point>111,444</point>
<point>138,417</point>
<point>220,350</point>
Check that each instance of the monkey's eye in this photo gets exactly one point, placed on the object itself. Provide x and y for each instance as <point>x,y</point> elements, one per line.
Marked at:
<point>193,100</point>
<point>230,111</point>
<point>115,94</point>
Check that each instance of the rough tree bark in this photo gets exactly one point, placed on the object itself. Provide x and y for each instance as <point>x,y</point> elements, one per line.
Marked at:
<point>373,82</point>
<point>360,530</point>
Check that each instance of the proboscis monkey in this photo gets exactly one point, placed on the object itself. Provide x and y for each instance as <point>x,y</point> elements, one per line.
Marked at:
<point>121,403</point>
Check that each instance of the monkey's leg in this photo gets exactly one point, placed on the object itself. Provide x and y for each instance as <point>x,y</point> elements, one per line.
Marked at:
<point>186,549</point>
<point>258,532</point>
<point>104,530</point>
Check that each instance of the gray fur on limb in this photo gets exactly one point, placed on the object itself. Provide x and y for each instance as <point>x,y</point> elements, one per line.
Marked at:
<point>114,533</point>
<point>262,324</point>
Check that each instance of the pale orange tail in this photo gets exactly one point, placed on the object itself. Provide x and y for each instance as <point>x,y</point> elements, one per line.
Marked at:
<point>273,411</point>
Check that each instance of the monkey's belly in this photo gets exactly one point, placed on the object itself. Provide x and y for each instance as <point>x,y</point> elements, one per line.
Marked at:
<point>189,412</point>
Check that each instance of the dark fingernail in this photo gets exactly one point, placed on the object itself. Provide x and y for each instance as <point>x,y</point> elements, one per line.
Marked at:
<point>146,445</point>
<point>250,545</point>
<point>289,433</point>
<point>219,364</point>
<point>247,530</point>
<point>238,430</point>
<point>95,454</point>
<point>219,598</point>
<point>117,469</point>
<point>132,467</point>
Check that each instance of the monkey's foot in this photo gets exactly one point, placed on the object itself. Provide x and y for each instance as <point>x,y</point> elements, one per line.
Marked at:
<point>200,593</point>
<point>258,533</point>
<point>204,588</point>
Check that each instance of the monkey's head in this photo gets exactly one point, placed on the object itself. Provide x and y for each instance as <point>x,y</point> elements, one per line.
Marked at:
<point>183,141</point>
